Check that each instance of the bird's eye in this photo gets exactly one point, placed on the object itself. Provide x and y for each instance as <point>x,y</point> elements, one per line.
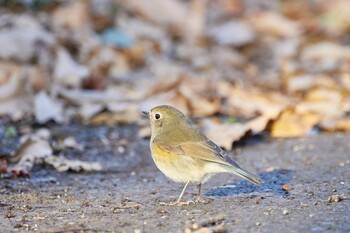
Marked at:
<point>157,116</point>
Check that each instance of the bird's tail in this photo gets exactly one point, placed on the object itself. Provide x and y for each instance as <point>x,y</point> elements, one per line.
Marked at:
<point>244,174</point>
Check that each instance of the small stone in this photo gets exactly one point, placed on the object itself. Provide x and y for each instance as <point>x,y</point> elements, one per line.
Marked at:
<point>335,198</point>
<point>121,149</point>
<point>258,223</point>
<point>287,187</point>
<point>285,212</point>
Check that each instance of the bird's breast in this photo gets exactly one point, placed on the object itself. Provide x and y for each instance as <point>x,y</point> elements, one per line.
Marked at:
<point>179,168</point>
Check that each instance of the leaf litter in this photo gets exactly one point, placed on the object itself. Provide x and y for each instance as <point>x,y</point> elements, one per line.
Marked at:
<point>277,69</point>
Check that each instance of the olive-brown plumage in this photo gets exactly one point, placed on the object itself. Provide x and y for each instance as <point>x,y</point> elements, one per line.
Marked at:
<point>183,153</point>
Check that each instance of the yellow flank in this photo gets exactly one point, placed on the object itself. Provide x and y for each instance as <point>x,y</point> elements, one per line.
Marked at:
<point>178,168</point>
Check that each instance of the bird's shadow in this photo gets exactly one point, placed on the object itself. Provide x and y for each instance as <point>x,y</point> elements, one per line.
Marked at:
<point>272,182</point>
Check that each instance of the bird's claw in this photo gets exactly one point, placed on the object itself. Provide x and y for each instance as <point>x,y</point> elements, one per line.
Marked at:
<point>177,203</point>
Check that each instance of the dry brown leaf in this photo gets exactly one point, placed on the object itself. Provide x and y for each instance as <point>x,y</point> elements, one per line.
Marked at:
<point>118,112</point>
<point>140,29</point>
<point>235,33</point>
<point>162,12</point>
<point>305,82</point>
<point>32,151</point>
<point>326,102</point>
<point>21,38</point>
<point>326,51</point>
<point>343,125</point>
<point>38,78</point>
<point>335,124</point>
<point>345,81</point>
<point>144,131</point>
<point>87,110</point>
<point>35,150</point>
<point>74,15</point>
<point>223,134</point>
<point>249,103</point>
<point>121,93</point>
<point>336,18</point>
<point>45,108</point>
<point>67,72</point>
<point>63,164</point>
<point>196,20</point>
<point>15,98</point>
<point>202,97</point>
<point>4,166</point>
<point>274,24</point>
<point>293,124</point>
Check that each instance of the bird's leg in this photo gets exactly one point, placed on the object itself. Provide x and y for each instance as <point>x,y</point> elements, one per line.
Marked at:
<point>178,201</point>
<point>199,186</point>
<point>182,192</point>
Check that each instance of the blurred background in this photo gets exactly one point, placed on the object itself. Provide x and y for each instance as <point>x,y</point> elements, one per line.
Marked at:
<point>239,67</point>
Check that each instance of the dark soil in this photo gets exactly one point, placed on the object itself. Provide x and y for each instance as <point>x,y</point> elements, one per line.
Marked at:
<point>126,195</point>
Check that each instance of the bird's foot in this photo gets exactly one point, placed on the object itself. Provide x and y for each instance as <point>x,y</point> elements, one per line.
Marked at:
<point>202,200</point>
<point>177,203</point>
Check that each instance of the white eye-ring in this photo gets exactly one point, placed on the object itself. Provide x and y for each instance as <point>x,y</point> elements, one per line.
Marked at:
<point>157,116</point>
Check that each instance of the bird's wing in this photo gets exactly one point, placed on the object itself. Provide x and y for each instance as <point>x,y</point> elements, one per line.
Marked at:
<point>205,150</point>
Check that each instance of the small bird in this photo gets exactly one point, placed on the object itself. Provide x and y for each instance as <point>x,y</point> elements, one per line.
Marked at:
<point>184,154</point>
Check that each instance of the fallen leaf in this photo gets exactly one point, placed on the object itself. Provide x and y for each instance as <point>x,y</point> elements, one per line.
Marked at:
<point>170,12</point>
<point>223,134</point>
<point>274,24</point>
<point>45,108</point>
<point>15,99</point>
<point>35,150</point>
<point>4,166</point>
<point>293,124</point>
<point>326,51</point>
<point>67,72</point>
<point>305,82</point>
<point>250,103</point>
<point>196,20</point>
<point>325,102</point>
<point>72,15</point>
<point>31,152</point>
<point>88,110</point>
<point>140,29</point>
<point>335,19</point>
<point>122,113</point>
<point>343,125</point>
<point>335,124</point>
<point>38,78</point>
<point>345,81</point>
<point>63,164</point>
<point>203,99</point>
<point>20,40</point>
<point>235,33</point>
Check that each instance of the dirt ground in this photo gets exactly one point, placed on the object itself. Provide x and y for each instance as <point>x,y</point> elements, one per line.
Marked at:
<point>126,195</point>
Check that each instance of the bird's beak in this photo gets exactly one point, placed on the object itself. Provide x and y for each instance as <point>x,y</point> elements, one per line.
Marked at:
<point>145,113</point>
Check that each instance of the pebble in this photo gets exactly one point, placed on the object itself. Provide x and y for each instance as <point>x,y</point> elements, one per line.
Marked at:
<point>335,198</point>
<point>285,212</point>
<point>287,187</point>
